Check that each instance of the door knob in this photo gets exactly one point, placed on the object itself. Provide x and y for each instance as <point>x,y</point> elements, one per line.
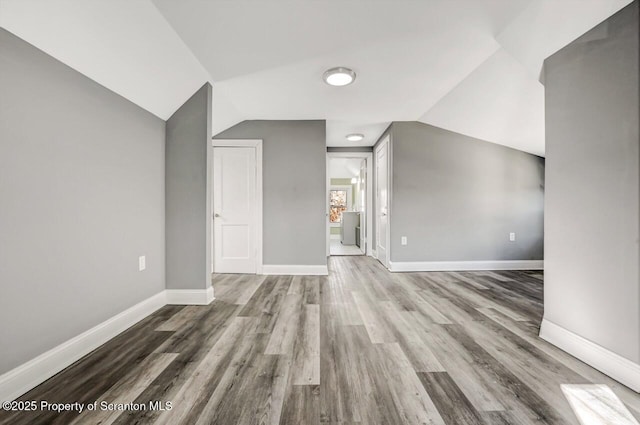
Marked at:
<point>216,215</point>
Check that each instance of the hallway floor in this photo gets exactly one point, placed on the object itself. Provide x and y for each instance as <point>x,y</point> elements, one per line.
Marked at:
<point>337,248</point>
<point>361,346</point>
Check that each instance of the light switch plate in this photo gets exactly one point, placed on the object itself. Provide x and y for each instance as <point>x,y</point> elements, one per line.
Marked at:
<point>512,236</point>
<point>142,263</point>
<point>403,240</point>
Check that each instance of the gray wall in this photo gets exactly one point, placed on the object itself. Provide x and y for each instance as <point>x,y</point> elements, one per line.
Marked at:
<point>294,192</point>
<point>188,193</point>
<point>81,197</point>
<point>592,196</point>
<point>457,198</point>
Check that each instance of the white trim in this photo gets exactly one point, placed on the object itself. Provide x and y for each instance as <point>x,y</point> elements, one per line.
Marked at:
<point>259,207</point>
<point>386,141</point>
<point>433,266</point>
<point>390,196</point>
<point>32,373</point>
<point>369,207</point>
<point>257,144</point>
<point>327,186</point>
<point>249,143</point>
<point>374,253</point>
<point>295,270</point>
<point>190,296</point>
<point>608,362</point>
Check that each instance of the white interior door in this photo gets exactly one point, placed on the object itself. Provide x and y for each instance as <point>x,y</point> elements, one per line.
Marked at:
<point>382,201</point>
<point>364,229</point>
<point>234,208</point>
<point>326,205</point>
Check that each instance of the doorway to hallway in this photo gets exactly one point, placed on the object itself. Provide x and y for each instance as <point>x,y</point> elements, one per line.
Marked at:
<point>349,197</point>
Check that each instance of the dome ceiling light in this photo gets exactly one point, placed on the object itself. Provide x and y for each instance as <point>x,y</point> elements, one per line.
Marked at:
<point>339,76</point>
<point>355,137</point>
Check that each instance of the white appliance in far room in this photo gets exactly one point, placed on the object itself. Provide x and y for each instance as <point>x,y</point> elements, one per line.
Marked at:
<point>350,220</point>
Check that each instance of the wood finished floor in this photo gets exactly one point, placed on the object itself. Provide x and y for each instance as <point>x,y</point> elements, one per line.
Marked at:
<point>361,346</point>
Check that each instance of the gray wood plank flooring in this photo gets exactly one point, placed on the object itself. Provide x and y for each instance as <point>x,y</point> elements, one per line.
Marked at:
<point>361,346</point>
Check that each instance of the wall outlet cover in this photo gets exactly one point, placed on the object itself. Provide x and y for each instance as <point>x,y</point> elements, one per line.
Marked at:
<point>142,263</point>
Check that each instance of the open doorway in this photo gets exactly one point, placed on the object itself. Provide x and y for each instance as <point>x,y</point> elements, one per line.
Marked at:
<point>348,203</point>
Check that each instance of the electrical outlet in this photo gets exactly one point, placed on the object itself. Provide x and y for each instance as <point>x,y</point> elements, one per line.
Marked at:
<point>403,240</point>
<point>512,236</point>
<point>142,263</point>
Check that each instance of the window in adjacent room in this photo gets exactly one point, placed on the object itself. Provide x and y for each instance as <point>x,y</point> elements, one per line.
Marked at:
<point>337,203</point>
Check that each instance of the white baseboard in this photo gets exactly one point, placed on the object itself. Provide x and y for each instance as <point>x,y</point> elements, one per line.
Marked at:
<point>437,266</point>
<point>607,362</point>
<point>32,373</point>
<point>190,296</point>
<point>295,270</point>
<point>374,253</point>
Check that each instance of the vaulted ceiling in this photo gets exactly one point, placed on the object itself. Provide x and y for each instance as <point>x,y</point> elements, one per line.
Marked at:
<point>470,66</point>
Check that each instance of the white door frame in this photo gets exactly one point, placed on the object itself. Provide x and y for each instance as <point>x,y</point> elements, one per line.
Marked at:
<point>387,141</point>
<point>368,208</point>
<point>257,145</point>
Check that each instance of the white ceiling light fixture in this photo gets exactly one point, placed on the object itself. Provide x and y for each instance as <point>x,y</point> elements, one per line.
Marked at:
<point>355,137</point>
<point>339,76</point>
<point>354,180</point>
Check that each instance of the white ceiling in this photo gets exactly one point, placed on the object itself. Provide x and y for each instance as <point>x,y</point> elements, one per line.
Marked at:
<point>344,168</point>
<point>470,66</point>
<point>127,46</point>
<point>499,102</point>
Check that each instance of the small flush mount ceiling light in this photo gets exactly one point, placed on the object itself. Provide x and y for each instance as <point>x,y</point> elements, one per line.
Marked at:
<point>355,137</point>
<point>354,180</point>
<point>339,76</point>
